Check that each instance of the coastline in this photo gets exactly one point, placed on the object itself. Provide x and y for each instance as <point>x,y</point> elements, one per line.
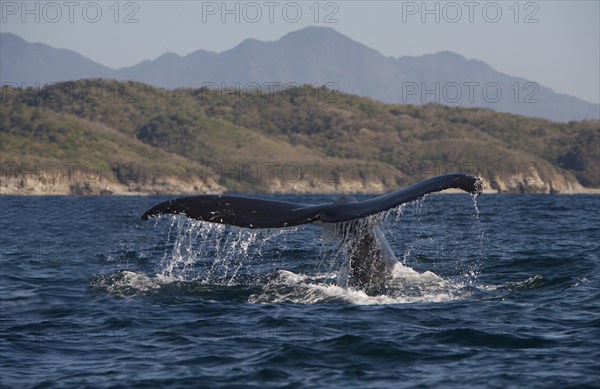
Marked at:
<point>180,187</point>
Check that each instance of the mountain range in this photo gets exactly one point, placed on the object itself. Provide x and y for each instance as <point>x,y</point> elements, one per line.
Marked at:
<point>314,55</point>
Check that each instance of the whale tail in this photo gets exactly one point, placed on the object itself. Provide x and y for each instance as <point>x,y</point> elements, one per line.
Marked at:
<point>370,255</point>
<point>261,213</point>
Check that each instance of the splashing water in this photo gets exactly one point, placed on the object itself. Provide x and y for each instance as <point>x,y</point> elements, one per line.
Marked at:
<point>214,253</point>
<point>480,239</point>
<point>215,256</point>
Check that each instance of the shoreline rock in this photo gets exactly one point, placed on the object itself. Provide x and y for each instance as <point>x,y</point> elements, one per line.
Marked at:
<point>14,186</point>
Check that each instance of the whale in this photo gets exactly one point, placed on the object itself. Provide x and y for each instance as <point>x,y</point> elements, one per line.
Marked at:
<point>355,223</point>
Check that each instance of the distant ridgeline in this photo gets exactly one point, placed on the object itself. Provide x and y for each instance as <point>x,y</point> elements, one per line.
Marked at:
<point>98,136</point>
<point>312,55</point>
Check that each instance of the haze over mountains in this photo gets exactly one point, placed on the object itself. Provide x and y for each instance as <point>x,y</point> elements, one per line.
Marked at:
<point>313,55</point>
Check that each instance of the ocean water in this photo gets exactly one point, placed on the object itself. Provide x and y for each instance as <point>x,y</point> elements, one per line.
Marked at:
<point>495,291</point>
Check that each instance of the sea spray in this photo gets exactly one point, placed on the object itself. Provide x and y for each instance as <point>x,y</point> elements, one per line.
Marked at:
<point>213,253</point>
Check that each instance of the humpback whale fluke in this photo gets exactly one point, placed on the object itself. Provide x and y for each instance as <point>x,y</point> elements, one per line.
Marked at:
<point>259,213</point>
<point>370,253</point>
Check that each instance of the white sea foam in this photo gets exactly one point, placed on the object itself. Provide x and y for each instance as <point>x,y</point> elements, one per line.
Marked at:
<point>406,286</point>
<point>128,283</point>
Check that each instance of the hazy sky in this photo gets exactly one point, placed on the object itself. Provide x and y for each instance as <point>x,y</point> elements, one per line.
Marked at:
<point>555,43</point>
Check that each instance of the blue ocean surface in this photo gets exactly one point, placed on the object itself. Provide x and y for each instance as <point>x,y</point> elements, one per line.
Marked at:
<point>495,291</point>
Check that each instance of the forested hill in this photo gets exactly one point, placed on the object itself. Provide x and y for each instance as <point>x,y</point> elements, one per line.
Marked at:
<point>103,136</point>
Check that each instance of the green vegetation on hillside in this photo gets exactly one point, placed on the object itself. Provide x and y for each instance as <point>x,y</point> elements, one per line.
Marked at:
<point>248,140</point>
